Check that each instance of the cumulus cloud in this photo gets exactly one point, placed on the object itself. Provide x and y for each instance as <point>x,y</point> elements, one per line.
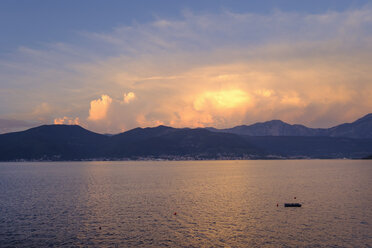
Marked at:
<point>98,108</point>
<point>218,70</point>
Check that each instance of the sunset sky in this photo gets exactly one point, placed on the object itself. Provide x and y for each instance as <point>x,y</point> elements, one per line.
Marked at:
<point>111,66</point>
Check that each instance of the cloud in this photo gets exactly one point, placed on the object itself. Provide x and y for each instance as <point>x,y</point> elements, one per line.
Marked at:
<point>98,108</point>
<point>129,97</point>
<point>228,99</point>
<point>67,120</point>
<point>220,69</point>
<point>42,112</point>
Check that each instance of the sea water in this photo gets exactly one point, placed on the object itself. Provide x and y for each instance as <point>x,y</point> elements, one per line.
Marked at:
<point>186,204</point>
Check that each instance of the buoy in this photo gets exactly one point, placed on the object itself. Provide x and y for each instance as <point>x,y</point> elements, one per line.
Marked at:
<point>175,213</point>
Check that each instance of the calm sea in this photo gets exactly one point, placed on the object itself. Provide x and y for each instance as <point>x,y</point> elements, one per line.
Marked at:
<point>217,204</point>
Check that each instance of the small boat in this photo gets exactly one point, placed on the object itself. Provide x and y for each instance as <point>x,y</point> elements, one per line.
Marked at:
<point>287,205</point>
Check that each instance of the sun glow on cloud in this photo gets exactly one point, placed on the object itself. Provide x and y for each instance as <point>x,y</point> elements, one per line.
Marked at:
<point>201,70</point>
<point>222,100</point>
<point>98,108</point>
<point>129,97</point>
<point>67,120</point>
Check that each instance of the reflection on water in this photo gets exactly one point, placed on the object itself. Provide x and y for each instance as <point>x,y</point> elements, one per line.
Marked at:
<point>218,204</point>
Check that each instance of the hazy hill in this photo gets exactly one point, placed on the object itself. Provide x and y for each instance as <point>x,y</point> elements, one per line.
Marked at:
<point>272,128</point>
<point>361,128</point>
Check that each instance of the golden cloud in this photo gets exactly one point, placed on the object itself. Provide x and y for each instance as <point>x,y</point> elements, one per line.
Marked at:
<point>128,97</point>
<point>98,108</point>
<point>222,100</point>
<point>67,120</point>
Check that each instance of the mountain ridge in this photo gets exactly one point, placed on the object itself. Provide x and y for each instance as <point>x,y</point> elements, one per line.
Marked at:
<point>73,142</point>
<point>361,128</point>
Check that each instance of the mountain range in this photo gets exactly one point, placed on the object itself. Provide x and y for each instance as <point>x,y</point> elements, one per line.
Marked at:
<point>268,140</point>
<point>361,128</point>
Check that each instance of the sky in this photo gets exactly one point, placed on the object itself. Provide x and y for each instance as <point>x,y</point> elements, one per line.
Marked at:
<point>111,66</point>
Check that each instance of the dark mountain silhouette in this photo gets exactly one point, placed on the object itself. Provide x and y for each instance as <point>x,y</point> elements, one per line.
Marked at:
<point>71,142</point>
<point>167,141</point>
<point>313,147</point>
<point>138,133</point>
<point>55,142</point>
<point>64,142</point>
<point>360,129</point>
